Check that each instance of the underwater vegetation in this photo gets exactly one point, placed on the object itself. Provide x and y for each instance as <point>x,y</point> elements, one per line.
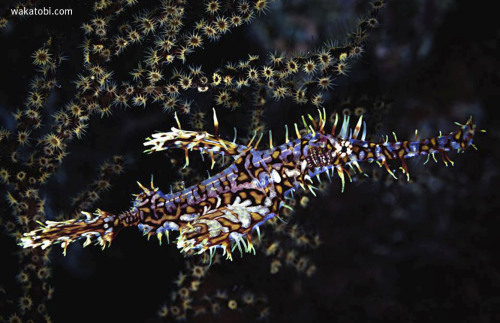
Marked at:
<point>269,128</point>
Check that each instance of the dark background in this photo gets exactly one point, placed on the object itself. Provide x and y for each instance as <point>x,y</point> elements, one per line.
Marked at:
<point>425,251</point>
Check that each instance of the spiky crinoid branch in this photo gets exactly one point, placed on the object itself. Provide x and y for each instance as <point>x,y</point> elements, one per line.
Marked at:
<point>171,35</point>
<point>30,155</point>
<point>169,32</point>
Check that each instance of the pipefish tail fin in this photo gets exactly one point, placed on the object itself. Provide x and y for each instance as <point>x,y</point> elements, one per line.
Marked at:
<point>102,228</point>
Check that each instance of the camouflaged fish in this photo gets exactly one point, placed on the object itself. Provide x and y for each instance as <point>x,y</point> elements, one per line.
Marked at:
<point>223,211</point>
